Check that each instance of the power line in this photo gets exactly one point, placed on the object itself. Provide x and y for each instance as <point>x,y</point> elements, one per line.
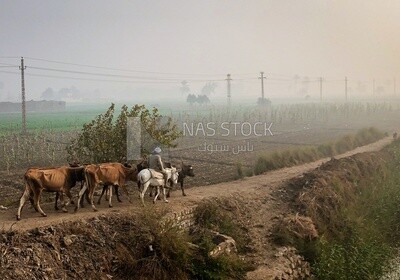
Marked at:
<point>279,78</point>
<point>98,80</point>
<point>8,64</point>
<point>122,69</point>
<point>149,72</point>
<point>9,72</point>
<point>120,76</point>
<point>97,74</point>
<point>172,81</point>
<point>289,76</point>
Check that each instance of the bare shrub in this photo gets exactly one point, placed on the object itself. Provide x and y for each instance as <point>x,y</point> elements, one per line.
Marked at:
<point>294,227</point>
<point>154,249</point>
<point>297,231</point>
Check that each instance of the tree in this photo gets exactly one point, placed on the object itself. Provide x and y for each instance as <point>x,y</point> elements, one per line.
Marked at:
<point>191,98</point>
<point>48,94</point>
<point>203,99</point>
<point>104,140</point>
<point>71,92</point>
<point>263,101</point>
<point>208,88</point>
<point>185,88</point>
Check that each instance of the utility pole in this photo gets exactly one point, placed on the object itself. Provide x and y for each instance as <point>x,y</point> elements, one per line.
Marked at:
<point>228,80</point>
<point>373,87</point>
<point>345,87</point>
<point>22,68</point>
<point>262,85</point>
<point>320,88</point>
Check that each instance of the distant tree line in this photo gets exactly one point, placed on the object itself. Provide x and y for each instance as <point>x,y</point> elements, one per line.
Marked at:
<point>262,101</point>
<point>200,99</point>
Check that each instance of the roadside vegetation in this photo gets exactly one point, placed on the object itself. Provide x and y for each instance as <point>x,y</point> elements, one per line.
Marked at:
<point>220,215</point>
<point>354,205</point>
<point>142,244</point>
<point>156,248</point>
<point>299,155</point>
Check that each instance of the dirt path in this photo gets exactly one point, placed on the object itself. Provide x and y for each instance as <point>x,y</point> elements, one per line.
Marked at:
<point>249,187</point>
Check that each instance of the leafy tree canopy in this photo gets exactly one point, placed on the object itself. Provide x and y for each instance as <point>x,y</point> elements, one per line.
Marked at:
<point>104,138</point>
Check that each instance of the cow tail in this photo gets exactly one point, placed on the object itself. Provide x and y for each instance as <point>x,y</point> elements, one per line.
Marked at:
<point>151,176</point>
<point>88,182</point>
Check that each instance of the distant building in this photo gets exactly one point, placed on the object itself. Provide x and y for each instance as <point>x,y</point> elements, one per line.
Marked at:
<point>33,106</point>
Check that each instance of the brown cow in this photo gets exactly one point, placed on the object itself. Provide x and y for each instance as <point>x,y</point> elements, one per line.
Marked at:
<point>60,179</point>
<point>80,178</point>
<point>111,174</point>
<point>140,166</point>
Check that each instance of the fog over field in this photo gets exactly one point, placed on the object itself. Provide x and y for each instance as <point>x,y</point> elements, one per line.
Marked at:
<point>303,66</point>
<point>161,51</point>
<point>276,121</point>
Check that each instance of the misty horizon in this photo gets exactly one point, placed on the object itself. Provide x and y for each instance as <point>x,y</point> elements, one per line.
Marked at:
<point>108,52</point>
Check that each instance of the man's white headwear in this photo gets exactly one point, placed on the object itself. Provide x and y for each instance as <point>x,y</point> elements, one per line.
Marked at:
<point>157,150</point>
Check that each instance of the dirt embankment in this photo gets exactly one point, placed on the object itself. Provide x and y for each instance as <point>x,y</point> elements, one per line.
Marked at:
<point>82,245</point>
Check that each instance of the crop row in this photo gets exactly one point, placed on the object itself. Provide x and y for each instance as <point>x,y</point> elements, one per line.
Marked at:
<point>47,146</point>
<point>42,148</point>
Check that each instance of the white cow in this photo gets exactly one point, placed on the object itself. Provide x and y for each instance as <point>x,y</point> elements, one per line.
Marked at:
<point>148,177</point>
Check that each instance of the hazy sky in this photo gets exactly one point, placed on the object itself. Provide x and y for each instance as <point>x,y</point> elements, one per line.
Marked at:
<point>197,41</point>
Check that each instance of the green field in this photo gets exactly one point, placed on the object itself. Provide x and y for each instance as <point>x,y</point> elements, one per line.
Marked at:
<point>76,115</point>
<point>59,121</point>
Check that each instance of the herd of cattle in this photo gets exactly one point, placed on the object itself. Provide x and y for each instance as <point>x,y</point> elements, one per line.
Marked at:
<point>61,179</point>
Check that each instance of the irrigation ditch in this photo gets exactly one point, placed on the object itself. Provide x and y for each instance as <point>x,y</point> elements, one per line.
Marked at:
<point>344,217</point>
